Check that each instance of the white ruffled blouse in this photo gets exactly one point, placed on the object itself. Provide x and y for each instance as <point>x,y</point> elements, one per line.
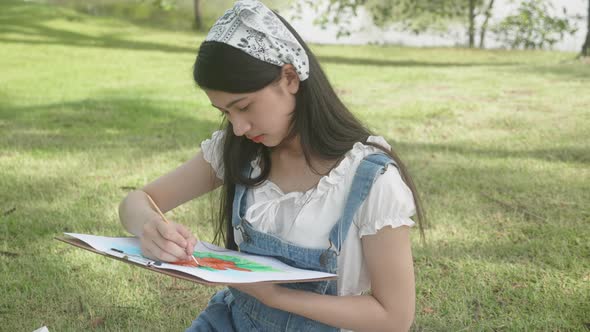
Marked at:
<point>306,218</point>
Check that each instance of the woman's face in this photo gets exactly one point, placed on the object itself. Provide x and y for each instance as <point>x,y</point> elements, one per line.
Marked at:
<point>263,116</point>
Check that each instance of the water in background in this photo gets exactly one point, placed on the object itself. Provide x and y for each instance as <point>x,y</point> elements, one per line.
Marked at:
<point>368,33</point>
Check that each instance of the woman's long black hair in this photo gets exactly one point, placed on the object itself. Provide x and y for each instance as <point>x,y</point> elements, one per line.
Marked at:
<point>327,129</point>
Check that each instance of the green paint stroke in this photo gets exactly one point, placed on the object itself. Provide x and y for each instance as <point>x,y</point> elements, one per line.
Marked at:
<point>240,262</point>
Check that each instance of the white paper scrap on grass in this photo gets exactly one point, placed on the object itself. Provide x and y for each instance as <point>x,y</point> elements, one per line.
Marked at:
<point>218,264</point>
<point>42,329</point>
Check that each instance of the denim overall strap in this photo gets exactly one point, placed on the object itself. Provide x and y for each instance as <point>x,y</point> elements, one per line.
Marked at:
<point>365,176</point>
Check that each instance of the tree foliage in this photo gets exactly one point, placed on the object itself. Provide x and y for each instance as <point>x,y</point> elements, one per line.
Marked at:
<point>168,5</point>
<point>416,16</point>
<point>162,4</point>
<point>533,27</point>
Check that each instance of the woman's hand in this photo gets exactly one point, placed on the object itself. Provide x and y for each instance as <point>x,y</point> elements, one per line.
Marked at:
<point>266,293</point>
<point>167,242</point>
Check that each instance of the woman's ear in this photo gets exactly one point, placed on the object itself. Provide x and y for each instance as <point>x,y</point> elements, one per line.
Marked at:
<point>290,77</point>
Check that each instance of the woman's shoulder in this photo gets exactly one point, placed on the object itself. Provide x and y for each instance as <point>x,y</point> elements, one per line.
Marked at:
<point>212,149</point>
<point>216,136</point>
<point>372,145</point>
<point>345,170</point>
<point>358,152</point>
<point>379,140</point>
<point>390,201</point>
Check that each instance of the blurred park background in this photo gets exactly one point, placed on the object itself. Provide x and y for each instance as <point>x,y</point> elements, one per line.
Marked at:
<point>97,99</point>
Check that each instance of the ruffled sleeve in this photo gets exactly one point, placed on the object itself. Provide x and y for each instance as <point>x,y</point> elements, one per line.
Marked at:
<point>389,203</point>
<point>213,152</point>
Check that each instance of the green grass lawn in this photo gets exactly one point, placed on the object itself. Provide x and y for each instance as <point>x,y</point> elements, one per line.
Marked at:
<point>90,108</point>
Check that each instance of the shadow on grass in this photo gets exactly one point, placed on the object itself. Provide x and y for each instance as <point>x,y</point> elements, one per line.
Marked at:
<point>571,154</point>
<point>407,63</point>
<point>100,123</point>
<point>578,72</point>
<point>461,184</point>
<point>537,280</point>
<point>28,20</point>
<point>501,254</point>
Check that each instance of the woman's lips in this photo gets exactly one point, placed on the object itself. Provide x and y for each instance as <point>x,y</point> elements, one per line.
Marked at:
<point>257,138</point>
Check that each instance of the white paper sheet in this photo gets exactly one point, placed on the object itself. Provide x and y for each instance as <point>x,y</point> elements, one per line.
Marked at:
<point>218,264</point>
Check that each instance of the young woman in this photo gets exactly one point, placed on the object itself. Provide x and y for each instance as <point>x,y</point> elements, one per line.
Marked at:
<point>303,180</point>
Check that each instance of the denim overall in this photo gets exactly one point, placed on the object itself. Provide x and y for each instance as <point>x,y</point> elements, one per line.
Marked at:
<point>231,310</point>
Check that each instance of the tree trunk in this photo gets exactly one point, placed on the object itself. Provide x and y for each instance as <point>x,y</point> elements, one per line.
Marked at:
<point>484,26</point>
<point>197,10</point>
<point>471,23</point>
<point>586,46</point>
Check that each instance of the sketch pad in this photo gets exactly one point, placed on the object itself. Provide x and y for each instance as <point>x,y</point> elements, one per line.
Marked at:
<point>220,266</point>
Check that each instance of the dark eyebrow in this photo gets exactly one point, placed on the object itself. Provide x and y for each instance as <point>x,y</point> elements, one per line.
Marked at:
<point>231,103</point>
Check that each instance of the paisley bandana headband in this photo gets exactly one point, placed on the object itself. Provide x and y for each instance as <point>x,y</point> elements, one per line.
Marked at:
<point>253,28</point>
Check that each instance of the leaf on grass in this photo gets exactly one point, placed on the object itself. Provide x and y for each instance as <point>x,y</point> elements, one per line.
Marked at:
<point>178,288</point>
<point>428,310</point>
<point>97,322</point>
<point>9,211</point>
<point>80,304</point>
<point>476,310</point>
<point>9,254</point>
<point>127,188</point>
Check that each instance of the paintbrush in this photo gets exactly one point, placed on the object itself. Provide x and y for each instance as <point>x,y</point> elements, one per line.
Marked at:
<point>166,220</point>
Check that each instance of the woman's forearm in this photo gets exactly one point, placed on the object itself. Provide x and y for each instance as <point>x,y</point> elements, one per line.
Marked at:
<point>135,211</point>
<point>358,313</point>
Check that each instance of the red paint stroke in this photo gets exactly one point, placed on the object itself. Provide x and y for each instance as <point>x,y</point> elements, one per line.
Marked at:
<point>214,263</point>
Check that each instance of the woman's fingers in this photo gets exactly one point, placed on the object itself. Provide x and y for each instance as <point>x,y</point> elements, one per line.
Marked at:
<point>170,248</point>
<point>164,242</point>
<point>191,244</point>
<point>169,231</point>
<point>166,255</point>
<point>154,252</point>
<point>190,238</point>
<point>145,250</point>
